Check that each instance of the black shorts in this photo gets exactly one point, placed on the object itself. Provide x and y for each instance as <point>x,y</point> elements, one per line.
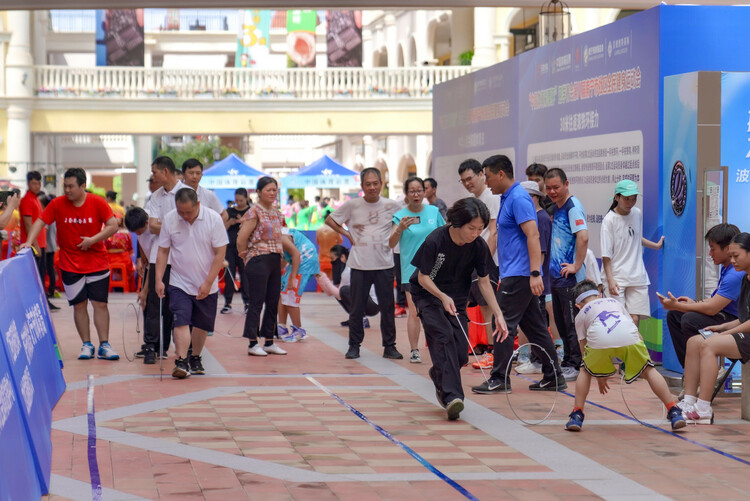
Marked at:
<point>189,311</point>
<point>743,345</point>
<point>82,286</point>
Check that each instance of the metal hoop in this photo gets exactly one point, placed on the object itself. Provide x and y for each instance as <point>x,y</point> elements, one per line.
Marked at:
<point>507,380</point>
<point>622,392</point>
<point>137,328</point>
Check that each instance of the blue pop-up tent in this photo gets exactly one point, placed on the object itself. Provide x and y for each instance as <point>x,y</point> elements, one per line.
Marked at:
<point>322,173</point>
<point>228,174</point>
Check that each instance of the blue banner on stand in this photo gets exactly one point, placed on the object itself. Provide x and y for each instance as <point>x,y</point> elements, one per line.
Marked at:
<point>28,342</point>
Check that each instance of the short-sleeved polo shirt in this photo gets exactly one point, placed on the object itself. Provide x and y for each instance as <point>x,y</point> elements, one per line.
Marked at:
<point>516,208</point>
<point>568,220</point>
<point>730,284</point>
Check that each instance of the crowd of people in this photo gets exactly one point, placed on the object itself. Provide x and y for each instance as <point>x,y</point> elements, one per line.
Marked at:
<point>517,250</point>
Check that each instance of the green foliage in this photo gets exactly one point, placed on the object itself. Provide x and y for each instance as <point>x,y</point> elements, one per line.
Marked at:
<point>202,150</point>
<point>465,57</point>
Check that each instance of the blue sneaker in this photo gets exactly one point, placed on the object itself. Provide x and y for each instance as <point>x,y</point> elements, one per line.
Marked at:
<point>106,352</point>
<point>87,352</point>
<point>299,333</point>
<point>576,421</point>
<point>676,418</point>
<point>365,323</point>
<point>285,335</point>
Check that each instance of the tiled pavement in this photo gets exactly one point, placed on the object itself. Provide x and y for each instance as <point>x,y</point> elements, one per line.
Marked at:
<point>260,428</point>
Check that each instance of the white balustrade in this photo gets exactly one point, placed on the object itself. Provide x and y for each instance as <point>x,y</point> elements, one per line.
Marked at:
<point>243,83</point>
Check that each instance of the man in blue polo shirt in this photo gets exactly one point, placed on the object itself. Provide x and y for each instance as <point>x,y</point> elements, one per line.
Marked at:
<point>570,241</point>
<point>520,261</point>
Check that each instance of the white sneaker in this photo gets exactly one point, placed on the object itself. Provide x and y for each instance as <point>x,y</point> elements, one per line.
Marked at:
<point>415,357</point>
<point>273,350</point>
<point>695,416</point>
<point>257,351</point>
<point>529,368</point>
<point>570,373</point>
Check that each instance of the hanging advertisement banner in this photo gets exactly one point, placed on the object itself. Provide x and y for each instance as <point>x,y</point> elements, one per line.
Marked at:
<point>119,37</point>
<point>300,38</point>
<point>252,39</point>
<point>344,38</point>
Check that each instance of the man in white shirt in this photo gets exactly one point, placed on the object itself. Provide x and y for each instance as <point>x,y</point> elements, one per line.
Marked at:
<point>192,172</point>
<point>368,222</point>
<point>163,173</point>
<point>472,177</point>
<point>197,243</point>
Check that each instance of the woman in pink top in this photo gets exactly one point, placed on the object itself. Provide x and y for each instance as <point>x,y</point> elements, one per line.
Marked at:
<point>259,240</point>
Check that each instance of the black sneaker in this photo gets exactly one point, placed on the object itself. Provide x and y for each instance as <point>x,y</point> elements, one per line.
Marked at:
<point>52,307</point>
<point>352,352</point>
<point>226,309</point>
<point>454,408</point>
<point>345,323</point>
<point>149,357</point>
<point>196,365</point>
<point>549,385</point>
<point>493,385</point>
<point>181,369</point>
<point>392,353</point>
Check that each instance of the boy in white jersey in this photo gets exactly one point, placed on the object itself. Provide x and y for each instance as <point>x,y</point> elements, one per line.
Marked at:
<point>605,330</point>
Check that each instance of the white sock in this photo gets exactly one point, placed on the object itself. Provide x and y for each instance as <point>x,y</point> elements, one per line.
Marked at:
<point>690,399</point>
<point>703,405</point>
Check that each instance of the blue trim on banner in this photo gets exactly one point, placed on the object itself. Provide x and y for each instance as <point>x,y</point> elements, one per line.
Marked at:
<point>409,450</point>
<point>96,483</point>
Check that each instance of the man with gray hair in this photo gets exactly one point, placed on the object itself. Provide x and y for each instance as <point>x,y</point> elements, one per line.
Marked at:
<point>196,240</point>
<point>367,222</point>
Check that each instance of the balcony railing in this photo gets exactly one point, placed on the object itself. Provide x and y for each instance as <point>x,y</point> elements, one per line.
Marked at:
<point>242,84</point>
<point>84,21</point>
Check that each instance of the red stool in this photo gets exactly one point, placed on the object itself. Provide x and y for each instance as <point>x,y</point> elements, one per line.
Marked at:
<point>123,282</point>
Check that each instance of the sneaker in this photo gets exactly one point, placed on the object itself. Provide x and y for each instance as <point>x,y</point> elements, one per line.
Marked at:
<point>400,312</point>
<point>675,417</point>
<point>529,368</point>
<point>570,373</point>
<point>392,353</point>
<point>523,358</point>
<point>352,352</point>
<point>695,416</point>
<point>365,323</point>
<point>299,333</point>
<point>226,309</point>
<point>285,335</point>
<point>576,421</point>
<point>549,385</point>
<point>106,352</point>
<point>414,357</point>
<point>274,350</point>
<point>52,307</point>
<point>256,351</point>
<point>181,369</point>
<point>87,352</point>
<point>485,362</point>
<point>345,323</point>
<point>149,358</point>
<point>196,365</point>
<point>142,353</point>
<point>454,408</point>
<point>493,385</point>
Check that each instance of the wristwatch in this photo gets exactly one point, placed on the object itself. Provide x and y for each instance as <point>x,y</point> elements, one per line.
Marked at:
<point>536,273</point>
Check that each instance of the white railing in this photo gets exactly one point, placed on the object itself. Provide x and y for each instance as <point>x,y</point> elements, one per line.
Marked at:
<point>242,83</point>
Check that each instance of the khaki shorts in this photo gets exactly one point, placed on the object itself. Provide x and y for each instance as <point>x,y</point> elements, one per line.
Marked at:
<point>599,363</point>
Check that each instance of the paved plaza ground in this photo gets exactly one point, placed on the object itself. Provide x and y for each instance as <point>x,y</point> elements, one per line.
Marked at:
<point>273,428</point>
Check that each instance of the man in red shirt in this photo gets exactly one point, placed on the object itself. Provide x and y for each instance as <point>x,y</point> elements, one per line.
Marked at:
<point>30,210</point>
<point>84,221</point>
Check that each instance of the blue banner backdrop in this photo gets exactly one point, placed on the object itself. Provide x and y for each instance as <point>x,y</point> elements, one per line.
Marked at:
<point>27,340</point>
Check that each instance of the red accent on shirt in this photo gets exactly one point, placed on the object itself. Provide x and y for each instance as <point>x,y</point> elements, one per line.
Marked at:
<point>31,206</point>
<point>74,223</point>
<point>579,222</point>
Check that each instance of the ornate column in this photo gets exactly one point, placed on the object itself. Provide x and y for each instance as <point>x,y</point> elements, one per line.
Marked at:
<point>19,76</point>
<point>484,31</point>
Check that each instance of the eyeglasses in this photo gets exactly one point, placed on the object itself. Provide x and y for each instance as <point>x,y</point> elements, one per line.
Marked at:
<point>467,179</point>
<point>420,192</point>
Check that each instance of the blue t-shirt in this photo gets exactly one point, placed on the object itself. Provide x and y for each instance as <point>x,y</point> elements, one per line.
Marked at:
<point>568,220</point>
<point>516,208</point>
<point>308,260</point>
<point>413,237</point>
<point>544,223</point>
<point>730,284</point>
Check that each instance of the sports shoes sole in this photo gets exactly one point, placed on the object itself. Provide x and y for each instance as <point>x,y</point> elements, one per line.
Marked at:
<point>488,391</point>
<point>560,386</point>
<point>573,427</point>
<point>454,408</point>
<point>180,373</point>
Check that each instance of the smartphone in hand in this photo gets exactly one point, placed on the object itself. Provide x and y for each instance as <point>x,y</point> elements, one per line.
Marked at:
<point>706,333</point>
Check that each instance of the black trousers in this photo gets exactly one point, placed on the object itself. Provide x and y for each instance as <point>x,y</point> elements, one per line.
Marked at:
<point>449,349</point>
<point>50,266</point>
<point>151,326</point>
<point>520,307</point>
<point>371,308</point>
<point>362,280</point>
<point>563,307</point>
<point>236,264</point>
<point>264,273</point>
<point>684,325</point>
<point>41,263</point>
<point>400,294</point>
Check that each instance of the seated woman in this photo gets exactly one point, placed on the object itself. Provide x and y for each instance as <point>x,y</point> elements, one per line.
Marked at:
<point>731,340</point>
<point>120,249</point>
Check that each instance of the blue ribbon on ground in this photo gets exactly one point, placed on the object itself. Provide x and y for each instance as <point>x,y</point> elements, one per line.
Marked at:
<point>96,483</point>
